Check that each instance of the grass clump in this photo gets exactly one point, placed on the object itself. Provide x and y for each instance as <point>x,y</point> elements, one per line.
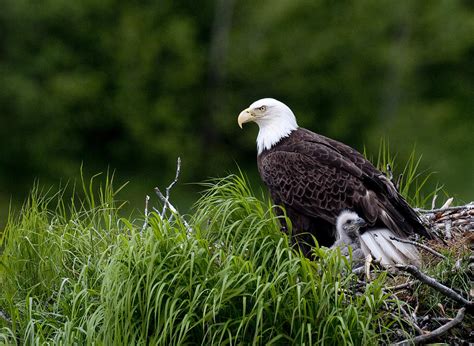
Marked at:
<point>412,182</point>
<point>76,272</point>
<point>52,264</point>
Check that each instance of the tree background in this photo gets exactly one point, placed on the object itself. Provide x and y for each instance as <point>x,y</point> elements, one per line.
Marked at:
<point>131,85</point>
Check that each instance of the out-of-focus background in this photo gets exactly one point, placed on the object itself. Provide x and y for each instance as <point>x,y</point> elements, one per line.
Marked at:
<point>132,85</point>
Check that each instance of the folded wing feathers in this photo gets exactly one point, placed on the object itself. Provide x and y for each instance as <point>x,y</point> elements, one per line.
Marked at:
<point>370,245</point>
<point>387,251</point>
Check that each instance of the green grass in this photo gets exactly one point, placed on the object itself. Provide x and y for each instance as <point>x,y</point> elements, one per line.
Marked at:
<point>76,272</point>
<point>413,182</point>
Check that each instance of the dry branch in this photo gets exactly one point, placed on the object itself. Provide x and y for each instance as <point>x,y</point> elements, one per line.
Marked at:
<point>401,286</point>
<point>427,248</point>
<point>448,292</point>
<point>171,208</point>
<point>439,210</point>
<point>368,262</point>
<point>411,320</point>
<point>170,186</point>
<point>445,220</point>
<point>425,338</point>
<point>145,223</point>
<point>165,198</point>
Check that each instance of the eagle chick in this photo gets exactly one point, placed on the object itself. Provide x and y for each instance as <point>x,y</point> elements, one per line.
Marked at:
<point>376,242</point>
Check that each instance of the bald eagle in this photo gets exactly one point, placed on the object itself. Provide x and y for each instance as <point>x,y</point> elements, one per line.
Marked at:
<point>314,178</point>
<point>379,243</point>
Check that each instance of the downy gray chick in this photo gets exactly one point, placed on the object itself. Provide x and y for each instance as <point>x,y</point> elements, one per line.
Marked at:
<point>376,242</point>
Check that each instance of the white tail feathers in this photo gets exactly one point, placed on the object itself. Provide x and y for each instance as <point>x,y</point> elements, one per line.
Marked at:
<point>388,251</point>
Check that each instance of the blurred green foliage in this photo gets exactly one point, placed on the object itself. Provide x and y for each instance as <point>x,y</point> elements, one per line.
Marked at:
<point>131,85</point>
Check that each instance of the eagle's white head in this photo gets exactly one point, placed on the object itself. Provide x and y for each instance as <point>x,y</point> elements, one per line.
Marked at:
<point>274,119</point>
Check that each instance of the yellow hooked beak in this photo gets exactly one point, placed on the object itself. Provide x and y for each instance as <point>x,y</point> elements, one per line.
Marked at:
<point>245,116</point>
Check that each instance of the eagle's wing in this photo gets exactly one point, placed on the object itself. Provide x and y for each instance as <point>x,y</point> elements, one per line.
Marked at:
<point>318,186</point>
<point>318,181</point>
<point>377,182</point>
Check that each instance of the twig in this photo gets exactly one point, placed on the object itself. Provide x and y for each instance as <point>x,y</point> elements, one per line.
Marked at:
<point>145,223</point>
<point>455,214</point>
<point>368,261</point>
<point>413,314</point>
<point>165,198</point>
<point>447,204</point>
<point>171,208</point>
<point>434,252</point>
<point>401,286</point>
<point>433,202</point>
<point>448,292</point>
<point>447,229</point>
<point>166,202</point>
<point>170,186</point>
<point>411,320</point>
<point>434,319</point>
<point>425,338</point>
<point>408,318</point>
<point>459,207</point>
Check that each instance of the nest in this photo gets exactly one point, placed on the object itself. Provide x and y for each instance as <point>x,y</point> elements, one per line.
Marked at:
<point>453,227</point>
<point>445,220</point>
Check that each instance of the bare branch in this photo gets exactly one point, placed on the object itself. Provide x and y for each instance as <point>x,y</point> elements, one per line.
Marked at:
<point>434,319</point>
<point>425,338</point>
<point>448,292</point>
<point>411,320</point>
<point>171,208</point>
<point>165,198</point>
<point>434,252</point>
<point>413,314</point>
<point>166,202</point>
<point>433,202</point>
<point>447,229</point>
<point>459,207</point>
<point>170,186</point>
<point>408,318</point>
<point>447,204</point>
<point>401,286</point>
<point>455,215</point>
<point>145,223</point>
<point>358,270</point>
<point>368,262</point>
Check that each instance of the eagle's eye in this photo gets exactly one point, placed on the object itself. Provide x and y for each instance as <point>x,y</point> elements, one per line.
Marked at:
<point>349,222</point>
<point>262,108</point>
